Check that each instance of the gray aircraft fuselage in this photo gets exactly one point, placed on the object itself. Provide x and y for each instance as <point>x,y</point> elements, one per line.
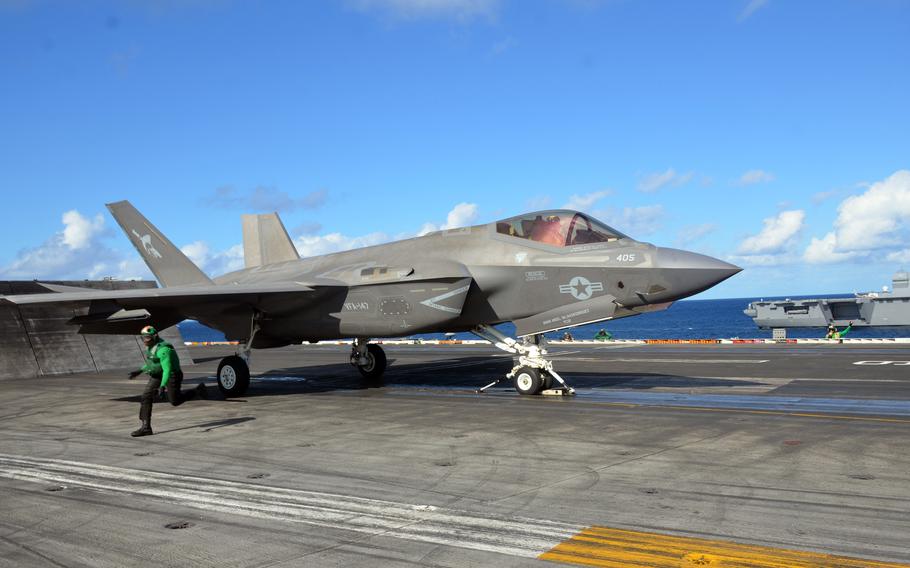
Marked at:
<point>453,280</point>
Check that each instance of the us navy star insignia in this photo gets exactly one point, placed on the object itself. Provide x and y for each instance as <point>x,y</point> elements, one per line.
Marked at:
<point>581,288</point>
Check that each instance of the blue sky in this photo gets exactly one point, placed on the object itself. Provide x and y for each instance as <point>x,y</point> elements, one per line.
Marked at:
<point>772,134</point>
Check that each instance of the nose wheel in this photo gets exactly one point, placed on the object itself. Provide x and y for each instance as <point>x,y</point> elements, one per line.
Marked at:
<point>528,380</point>
<point>534,373</point>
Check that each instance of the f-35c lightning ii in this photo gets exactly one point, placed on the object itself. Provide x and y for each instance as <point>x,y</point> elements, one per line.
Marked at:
<point>544,271</point>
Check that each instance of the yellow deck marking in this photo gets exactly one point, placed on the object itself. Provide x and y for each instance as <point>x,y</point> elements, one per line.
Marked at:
<point>617,548</point>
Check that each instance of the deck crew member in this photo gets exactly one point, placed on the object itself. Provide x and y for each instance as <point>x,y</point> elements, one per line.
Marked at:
<point>603,335</point>
<point>165,377</point>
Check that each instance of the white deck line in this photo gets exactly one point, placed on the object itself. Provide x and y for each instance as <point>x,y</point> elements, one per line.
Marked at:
<point>514,536</point>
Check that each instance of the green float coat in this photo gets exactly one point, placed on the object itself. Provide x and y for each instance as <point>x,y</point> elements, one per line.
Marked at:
<point>161,359</point>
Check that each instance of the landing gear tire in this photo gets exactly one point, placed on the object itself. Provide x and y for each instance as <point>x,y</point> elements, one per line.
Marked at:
<point>547,380</point>
<point>376,364</point>
<point>233,376</point>
<point>528,381</point>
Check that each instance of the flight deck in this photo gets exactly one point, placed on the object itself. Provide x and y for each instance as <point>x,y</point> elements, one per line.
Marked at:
<point>668,455</point>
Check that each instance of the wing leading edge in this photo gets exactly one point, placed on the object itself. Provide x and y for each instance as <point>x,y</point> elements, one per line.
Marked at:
<point>117,312</point>
<point>174,297</point>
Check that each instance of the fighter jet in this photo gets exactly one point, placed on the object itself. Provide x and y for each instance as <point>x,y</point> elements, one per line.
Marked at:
<point>543,271</point>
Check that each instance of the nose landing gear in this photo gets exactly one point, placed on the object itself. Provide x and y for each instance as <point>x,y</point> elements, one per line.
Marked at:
<point>534,373</point>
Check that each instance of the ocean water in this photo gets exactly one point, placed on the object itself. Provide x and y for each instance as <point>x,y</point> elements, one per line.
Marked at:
<point>688,319</point>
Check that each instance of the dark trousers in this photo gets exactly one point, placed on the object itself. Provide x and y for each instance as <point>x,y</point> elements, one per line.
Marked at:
<point>174,394</point>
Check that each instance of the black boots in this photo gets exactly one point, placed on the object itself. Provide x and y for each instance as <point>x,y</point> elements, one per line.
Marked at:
<point>201,391</point>
<point>144,430</point>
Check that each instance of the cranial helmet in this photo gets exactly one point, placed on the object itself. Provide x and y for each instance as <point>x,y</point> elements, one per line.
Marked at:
<point>148,330</point>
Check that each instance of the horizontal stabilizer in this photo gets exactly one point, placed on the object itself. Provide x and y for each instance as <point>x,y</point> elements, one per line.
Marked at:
<point>170,266</point>
<point>580,313</point>
<point>266,241</point>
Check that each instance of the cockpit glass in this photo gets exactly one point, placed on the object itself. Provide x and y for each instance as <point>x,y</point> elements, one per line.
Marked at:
<point>558,228</point>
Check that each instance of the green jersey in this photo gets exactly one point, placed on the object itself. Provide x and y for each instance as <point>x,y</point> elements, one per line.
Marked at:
<point>603,335</point>
<point>161,360</point>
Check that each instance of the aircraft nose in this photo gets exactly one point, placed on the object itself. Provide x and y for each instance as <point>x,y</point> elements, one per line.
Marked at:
<point>689,273</point>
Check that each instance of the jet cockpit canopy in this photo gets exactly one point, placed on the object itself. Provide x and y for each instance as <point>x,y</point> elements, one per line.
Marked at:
<point>561,228</point>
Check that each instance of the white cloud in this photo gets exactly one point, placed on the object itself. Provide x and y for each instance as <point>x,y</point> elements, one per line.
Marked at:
<point>899,256</point>
<point>133,268</point>
<point>752,177</point>
<point>76,252</point>
<point>314,245</point>
<point>634,221</point>
<point>874,224</point>
<point>584,202</point>
<point>652,182</point>
<point>197,252</point>
<point>79,230</point>
<point>878,218</point>
<point>459,10</point>
<point>214,263</point>
<point>220,262</point>
<point>761,259</point>
<point>777,235</point>
<point>823,251</point>
<point>752,7</point>
<point>461,215</point>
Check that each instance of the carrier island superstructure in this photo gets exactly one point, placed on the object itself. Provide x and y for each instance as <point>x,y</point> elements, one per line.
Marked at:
<point>863,310</point>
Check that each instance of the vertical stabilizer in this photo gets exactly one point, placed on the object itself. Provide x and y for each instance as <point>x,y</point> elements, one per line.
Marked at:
<point>266,241</point>
<point>170,266</point>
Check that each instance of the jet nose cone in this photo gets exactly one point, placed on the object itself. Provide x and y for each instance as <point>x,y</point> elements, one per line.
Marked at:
<point>689,273</point>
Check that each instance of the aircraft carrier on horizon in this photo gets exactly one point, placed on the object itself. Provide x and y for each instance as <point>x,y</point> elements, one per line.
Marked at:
<point>862,310</point>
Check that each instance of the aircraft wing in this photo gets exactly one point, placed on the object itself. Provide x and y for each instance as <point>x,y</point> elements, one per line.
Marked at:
<point>125,311</point>
<point>172,297</point>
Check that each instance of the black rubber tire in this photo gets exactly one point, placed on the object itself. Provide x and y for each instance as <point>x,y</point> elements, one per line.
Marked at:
<point>528,381</point>
<point>233,376</point>
<point>547,381</point>
<point>373,371</point>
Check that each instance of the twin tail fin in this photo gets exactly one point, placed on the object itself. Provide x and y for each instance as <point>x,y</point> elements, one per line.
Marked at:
<point>170,266</point>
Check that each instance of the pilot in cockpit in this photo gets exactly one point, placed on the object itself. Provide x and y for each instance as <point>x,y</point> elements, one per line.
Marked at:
<point>547,231</point>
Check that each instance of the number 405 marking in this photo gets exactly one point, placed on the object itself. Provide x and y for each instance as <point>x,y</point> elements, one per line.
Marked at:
<point>895,363</point>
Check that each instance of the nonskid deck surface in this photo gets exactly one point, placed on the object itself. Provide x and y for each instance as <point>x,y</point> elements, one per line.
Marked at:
<point>761,453</point>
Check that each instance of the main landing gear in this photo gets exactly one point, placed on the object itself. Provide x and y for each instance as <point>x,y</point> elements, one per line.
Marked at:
<point>534,373</point>
<point>369,359</point>
<point>233,376</point>
<point>234,371</point>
